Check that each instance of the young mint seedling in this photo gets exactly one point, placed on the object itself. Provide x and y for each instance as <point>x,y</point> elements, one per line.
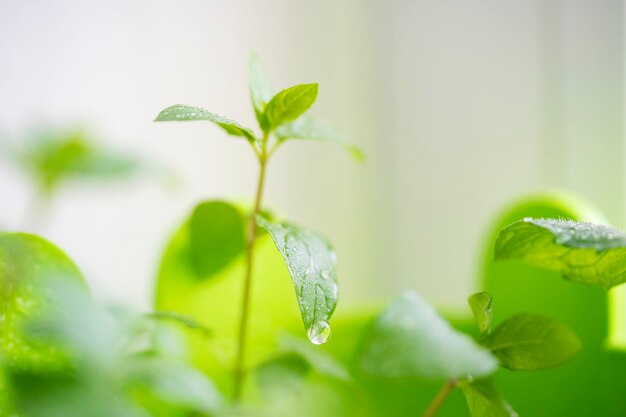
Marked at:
<point>309,257</point>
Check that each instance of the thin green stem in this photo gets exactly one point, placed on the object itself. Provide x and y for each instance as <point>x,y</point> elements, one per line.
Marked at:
<point>439,399</point>
<point>247,284</point>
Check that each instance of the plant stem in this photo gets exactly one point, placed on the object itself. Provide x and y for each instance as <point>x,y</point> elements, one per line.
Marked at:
<point>245,306</point>
<point>439,399</point>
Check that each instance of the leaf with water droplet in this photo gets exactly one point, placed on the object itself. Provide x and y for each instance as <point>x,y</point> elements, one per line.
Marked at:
<point>410,340</point>
<point>582,252</point>
<point>307,128</point>
<point>481,307</point>
<point>311,262</point>
<point>183,113</point>
<point>483,400</point>
<point>290,104</point>
<point>528,342</point>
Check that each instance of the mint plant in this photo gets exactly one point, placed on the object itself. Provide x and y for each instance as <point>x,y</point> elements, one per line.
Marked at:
<point>410,340</point>
<point>309,257</point>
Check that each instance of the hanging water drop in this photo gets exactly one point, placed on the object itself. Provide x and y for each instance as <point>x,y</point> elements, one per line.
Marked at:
<point>319,332</point>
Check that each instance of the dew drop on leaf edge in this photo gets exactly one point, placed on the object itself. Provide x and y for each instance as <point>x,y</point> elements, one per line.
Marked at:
<point>319,332</point>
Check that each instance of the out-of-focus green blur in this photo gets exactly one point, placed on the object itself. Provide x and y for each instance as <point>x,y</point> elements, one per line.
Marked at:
<point>461,109</point>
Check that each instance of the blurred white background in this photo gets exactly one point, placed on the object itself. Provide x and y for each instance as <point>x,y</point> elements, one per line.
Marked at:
<point>460,107</point>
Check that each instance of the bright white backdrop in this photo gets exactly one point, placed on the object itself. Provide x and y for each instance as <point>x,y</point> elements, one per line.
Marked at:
<point>460,106</point>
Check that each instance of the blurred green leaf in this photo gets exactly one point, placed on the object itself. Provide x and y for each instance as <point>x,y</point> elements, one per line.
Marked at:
<point>181,319</point>
<point>527,342</point>
<point>307,128</point>
<point>165,387</point>
<point>217,236</point>
<point>27,265</point>
<point>481,308</point>
<point>583,252</point>
<point>318,360</point>
<point>311,262</point>
<point>181,113</point>
<point>410,340</point>
<point>260,90</point>
<point>54,157</point>
<point>110,374</point>
<point>290,104</point>
<point>181,289</point>
<point>483,400</point>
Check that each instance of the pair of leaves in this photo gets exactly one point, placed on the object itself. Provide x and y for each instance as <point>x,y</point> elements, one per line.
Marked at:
<point>287,105</point>
<point>524,342</point>
<point>274,114</point>
<point>586,253</point>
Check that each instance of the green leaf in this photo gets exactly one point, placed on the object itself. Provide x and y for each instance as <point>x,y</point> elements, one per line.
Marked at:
<point>217,237</point>
<point>527,342</point>
<point>483,400</point>
<point>260,90</point>
<point>319,361</point>
<point>181,112</point>
<point>54,157</point>
<point>481,307</point>
<point>308,128</point>
<point>311,262</point>
<point>582,252</point>
<point>410,340</point>
<point>290,104</point>
<point>28,264</point>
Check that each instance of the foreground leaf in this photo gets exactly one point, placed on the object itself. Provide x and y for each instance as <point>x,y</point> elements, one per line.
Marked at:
<point>260,90</point>
<point>483,400</point>
<point>311,262</point>
<point>410,340</point>
<point>181,113</point>
<point>28,264</point>
<point>481,307</point>
<point>289,104</point>
<point>527,342</point>
<point>583,252</point>
<point>311,129</point>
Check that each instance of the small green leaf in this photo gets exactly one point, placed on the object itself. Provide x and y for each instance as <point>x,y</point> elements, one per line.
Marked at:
<point>260,90</point>
<point>319,361</point>
<point>481,307</point>
<point>290,104</point>
<point>583,252</point>
<point>308,128</point>
<point>527,342</point>
<point>410,340</point>
<point>483,400</point>
<point>311,262</point>
<point>181,112</point>
<point>216,237</point>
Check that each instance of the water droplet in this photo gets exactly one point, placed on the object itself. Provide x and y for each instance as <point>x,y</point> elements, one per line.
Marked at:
<point>319,332</point>
<point>326,274</point>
